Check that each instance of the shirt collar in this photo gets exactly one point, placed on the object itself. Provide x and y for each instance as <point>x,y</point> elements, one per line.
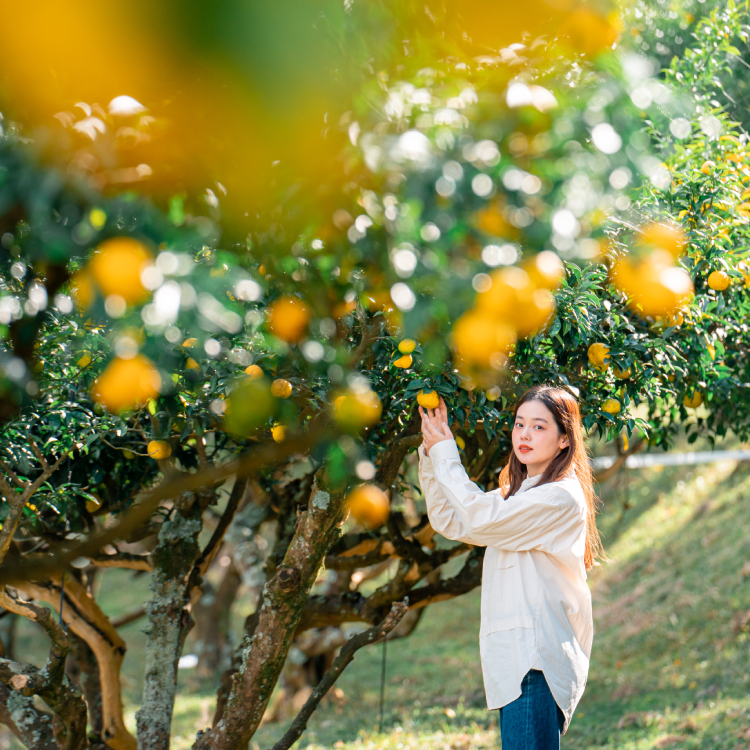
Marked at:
<point>530,482</point>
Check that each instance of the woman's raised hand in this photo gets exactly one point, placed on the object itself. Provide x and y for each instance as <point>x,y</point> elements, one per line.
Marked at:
<point>434,426</point>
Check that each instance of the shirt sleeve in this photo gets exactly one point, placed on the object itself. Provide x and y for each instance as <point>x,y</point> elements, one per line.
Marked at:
<point>535,519</point>
<point>443,517</point>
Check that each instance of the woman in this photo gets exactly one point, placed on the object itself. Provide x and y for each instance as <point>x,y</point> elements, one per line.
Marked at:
<point>540,532</point>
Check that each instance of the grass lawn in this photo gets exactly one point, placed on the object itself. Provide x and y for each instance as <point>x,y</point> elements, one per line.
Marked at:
<point>670,665</point>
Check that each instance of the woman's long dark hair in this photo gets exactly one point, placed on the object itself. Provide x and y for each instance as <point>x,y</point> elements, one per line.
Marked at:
<point>564,409</point>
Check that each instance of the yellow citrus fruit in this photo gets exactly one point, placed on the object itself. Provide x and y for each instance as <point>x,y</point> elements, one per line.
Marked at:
<point>514,298</point>
<point>653,284</point>
<point>428,399</point>
<point>491,221</point>
<point>128,454</point>
<point>589,32</point>
<point>369,505</point>
<point>116,267</point>
<point>278,433</point>
<point>288,318</point>
<point>493,394</point>
<point>85,359</point>
<point>189,343</point>
<point>707,167</point>
<point>478,337</point>
<point>545,269</point>
<point>254,372</point>
<point>403,362</point>
<point>460,442</point>
<point>719,280</point>
<point>675,319</point>
<point>694,401</point>
<point>159,449</point>
<point>407,346</point>
<point>94,504</point>
<point>126,384</point>
<point>622,374</point>
<point>249,404</point>
<point>598,354</point>
<point>611,406</point>
<point>356,409</point>
<point>281,388</point>
<point>664,236</point>
<point>82,289</point>
<point>191,364</point>
<point>711,349</point>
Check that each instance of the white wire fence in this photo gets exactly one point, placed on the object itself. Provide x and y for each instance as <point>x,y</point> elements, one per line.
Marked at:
<point>690,458</point>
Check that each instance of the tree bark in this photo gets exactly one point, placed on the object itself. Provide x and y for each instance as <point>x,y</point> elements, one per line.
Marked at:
<point>168,622</point>
<point>50,683</point>
<point>284,596</point>
<point>85,618</point>
<point>30,725</point>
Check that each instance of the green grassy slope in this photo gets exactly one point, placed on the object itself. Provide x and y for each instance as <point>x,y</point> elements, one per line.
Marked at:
<point>670,665</point>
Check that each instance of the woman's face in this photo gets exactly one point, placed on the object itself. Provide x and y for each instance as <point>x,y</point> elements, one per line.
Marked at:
<point>536,438</point>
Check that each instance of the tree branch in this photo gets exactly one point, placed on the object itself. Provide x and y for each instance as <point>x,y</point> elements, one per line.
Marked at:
<point>374,634</point>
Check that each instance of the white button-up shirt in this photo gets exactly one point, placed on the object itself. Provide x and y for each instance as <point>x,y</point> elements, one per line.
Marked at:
<point>536,605</point>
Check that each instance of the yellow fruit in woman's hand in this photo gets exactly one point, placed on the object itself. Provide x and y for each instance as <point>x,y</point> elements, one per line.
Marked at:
<point>369,505</point>
<point>407,346</point>
<point>719,280</point>
<point>403,362</point>
<point>278,433</point>
<point>694,401</point>
<point>611,406</point>
<point>254,372</point>
<point>116,268</point>
<point>428,399</point>
<point>159,449</point>
<point>599,355</point>
<point>281,388</point>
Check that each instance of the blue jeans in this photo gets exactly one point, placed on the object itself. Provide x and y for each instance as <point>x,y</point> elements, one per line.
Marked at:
<point>533,721</point>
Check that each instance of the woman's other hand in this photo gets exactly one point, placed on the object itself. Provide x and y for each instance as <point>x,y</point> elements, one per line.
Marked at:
<point>434,426</point>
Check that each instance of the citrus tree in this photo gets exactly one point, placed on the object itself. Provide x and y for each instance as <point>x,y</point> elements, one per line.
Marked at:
<point>508,218</point>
